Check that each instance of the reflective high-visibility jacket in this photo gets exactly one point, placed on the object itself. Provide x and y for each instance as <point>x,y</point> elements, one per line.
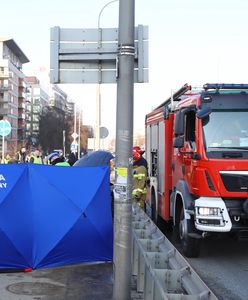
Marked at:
<point>63,164</point>
<point>36,159</point>
<point>139,184</point>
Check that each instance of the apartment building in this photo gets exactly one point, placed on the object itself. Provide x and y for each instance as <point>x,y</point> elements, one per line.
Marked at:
<point>12,92</point>
<point>70,108</point>
<point>36,99</point>
<point>58,98</point>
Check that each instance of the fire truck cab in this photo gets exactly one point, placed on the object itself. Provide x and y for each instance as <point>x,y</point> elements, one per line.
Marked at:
<point>197,154</point>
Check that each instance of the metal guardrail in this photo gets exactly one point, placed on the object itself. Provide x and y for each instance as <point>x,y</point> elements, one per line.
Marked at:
<point>162,272</point>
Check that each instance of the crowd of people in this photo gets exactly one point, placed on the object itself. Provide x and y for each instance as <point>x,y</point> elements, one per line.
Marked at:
<point>36,157</point>
<point>56,158</point>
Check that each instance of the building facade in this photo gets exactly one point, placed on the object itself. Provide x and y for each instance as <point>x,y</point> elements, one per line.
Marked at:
<point>37,99</point>
<point>70,108</point>
<point>58,98</point>
<point>12,93</point>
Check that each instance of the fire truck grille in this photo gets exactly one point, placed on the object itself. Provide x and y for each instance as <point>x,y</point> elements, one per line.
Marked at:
<point>235,182</point>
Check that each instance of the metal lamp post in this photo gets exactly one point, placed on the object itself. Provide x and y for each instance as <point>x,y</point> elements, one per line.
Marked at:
<point>98,89</point>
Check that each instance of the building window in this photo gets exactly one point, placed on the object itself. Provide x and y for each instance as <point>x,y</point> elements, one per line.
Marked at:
<point>36,108</point>
<point>36,127</point>
<point>36,118</point>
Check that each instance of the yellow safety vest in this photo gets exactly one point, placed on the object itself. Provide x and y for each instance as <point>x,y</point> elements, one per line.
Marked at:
<point>37,160</point>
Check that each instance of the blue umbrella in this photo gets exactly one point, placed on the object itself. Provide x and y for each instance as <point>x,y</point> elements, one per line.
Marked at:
<point>52,216</point>
<point>96,158</point>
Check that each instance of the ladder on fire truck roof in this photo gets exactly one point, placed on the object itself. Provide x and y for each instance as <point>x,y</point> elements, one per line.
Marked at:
<point>206,87</point>
<point>176,95</point>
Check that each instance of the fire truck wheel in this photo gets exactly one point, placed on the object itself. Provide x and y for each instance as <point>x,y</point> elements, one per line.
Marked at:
<point>190,246</point>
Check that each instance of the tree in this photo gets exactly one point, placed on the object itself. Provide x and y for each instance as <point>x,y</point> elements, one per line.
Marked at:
<point>53,122</point>
<point>51,125</point>
<point>85,133</point>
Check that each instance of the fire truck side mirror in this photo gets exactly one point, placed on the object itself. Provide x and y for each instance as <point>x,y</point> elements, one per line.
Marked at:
<point>178,141</point>
<point>179,123</point>
<point>203,113</point>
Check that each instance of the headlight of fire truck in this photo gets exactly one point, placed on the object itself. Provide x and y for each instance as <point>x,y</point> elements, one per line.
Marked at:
<point>208,211</point>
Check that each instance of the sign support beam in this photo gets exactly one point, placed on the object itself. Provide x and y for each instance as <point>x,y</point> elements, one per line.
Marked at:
<point>89,55</point>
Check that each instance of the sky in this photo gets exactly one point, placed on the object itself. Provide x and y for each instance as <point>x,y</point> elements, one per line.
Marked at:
<point>193,41</point>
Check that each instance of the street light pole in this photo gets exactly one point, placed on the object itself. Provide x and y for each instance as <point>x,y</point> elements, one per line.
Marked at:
<point>124,142</point>
<point>79,132</point>
<point>64,143</point>
<point>98,88</point>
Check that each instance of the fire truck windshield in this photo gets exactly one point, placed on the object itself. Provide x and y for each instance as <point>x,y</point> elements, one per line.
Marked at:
<point>226,129</point>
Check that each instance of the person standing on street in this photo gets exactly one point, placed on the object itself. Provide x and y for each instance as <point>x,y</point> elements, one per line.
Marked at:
<point>57,160</point>
<point>36,157</point>
<point>140,173</point>
<point>21,156</point>
<point>72,159</point>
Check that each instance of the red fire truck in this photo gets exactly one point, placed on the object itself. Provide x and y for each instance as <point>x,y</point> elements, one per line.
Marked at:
<point>197,153</point>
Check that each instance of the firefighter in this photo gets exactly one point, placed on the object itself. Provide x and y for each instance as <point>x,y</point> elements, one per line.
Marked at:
<point>139,177</point>
<point>140,160</point>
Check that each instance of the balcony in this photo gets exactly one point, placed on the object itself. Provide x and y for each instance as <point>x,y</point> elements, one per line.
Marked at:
<point>4,88</point>
<point>4,111</point>
<point>5,75</point>
<point>22,83</point>
<point>4,100</point>
<point>21,124</point>
<point>21,116</point>
<point>20,128</point>
<point>21,95</point>
<point>21,105</point>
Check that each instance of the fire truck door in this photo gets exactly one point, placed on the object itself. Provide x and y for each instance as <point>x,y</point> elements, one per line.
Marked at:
<point>189,143</point>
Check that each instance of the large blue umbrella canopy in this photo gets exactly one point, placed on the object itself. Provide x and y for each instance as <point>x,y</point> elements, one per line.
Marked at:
<point>51,216</point>
<point>95,158</point>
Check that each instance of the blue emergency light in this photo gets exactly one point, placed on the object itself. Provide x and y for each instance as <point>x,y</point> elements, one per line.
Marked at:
<point>225,86</point>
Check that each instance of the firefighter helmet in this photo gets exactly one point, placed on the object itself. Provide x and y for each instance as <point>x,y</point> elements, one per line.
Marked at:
<point>136,153</point>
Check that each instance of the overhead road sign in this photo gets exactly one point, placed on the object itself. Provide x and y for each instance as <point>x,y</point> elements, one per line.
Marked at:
<point>90,55</point>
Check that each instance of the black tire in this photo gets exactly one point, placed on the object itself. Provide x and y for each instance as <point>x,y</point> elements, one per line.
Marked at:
<point>190,246</point>
<point>165,226</point>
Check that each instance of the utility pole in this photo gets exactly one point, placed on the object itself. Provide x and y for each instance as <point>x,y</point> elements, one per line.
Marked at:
<point>98,117</point>
<point>124,142</point>
<point>75,119</point>
<point>64,143</point>
<point>79,131</point>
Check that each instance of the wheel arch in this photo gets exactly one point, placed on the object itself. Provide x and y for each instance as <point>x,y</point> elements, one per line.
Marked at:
<point>182,198</point>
